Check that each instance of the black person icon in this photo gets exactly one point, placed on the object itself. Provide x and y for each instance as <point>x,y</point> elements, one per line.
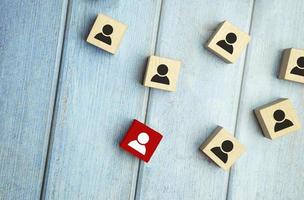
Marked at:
<point>299,69</point>
<point>104,36</point>
<point>281,123</point>
<point>222,152</point>
<point>161,77</point>
<point>227,43</point>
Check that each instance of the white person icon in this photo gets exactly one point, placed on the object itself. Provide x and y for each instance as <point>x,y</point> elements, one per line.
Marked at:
<point>139,144</point>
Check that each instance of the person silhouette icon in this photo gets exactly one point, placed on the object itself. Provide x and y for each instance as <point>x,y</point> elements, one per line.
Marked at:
<point>227,43</point>
<point>161,77</point>
<point>104,36</point>
<point>299,69</point>
<point>222,152</point>
<point>281,123</point>
<point>139,144</point>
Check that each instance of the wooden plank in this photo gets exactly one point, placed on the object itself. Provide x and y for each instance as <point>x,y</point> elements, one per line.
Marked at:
<point>99,96</point>
<point>271,169</point>
<point>207,95</point>
<point>30,45</point>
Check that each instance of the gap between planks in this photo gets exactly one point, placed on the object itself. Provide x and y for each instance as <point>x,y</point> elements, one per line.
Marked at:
<point>66,11</point>
<point>240,93</point>
<point>65,19</point>
<point>140,168</point>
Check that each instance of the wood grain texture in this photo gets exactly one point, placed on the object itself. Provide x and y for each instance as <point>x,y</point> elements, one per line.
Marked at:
<point>99,96</point>
<point>30,49</point>
<point>271,169</point>
<point>207,96</point>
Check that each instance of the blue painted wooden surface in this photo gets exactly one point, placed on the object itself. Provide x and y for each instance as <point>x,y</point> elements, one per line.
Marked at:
<point>65,105</point>
<point>31,36</point>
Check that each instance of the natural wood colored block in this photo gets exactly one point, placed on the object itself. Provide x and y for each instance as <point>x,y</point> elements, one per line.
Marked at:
<point>277,118</point>
<point>228,42</point>
<point>162,73</point>
<point>222,148</point>
<point>107,33</point>
<point>292,67</point>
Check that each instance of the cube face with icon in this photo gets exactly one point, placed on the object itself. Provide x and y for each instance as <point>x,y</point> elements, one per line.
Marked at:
<point>228,42</point>
<point>162,73</point>
<point>277,118</point>
<point>223,148</point>
<point>106,33</point>
<point>292,66</point>
<point>141,141</point>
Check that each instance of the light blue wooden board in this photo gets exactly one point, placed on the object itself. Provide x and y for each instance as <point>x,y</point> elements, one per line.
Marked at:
<point>30,48</point>
<point>207,96</point>
<point>270,169</point>
<point>99,96</point>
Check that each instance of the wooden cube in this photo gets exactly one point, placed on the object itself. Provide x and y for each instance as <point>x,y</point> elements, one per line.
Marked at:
<point>107,33</point>
<point>228,42</point>
<point>223,148</point>
<point>277,118</point>
<point>292,67</point>
<point>141,141</point>
<point>162,73</point>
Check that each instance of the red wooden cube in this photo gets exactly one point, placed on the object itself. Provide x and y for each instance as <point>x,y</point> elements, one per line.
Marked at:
<point>141,141</point>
